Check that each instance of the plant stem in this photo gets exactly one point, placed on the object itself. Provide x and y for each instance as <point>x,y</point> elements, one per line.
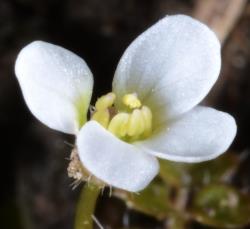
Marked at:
<point>86,206</point>
<point>220,16</point>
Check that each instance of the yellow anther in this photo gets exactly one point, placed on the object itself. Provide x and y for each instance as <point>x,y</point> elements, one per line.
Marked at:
<point>132,125</point>
<point>102,116</point>
<point>105,101</point>
<point>118,124</point>
<point>136,123</point>
<point>147,115</point>
<point>131,100</point>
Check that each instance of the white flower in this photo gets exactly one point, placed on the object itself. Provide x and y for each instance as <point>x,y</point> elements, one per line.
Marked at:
<point>152,111</point>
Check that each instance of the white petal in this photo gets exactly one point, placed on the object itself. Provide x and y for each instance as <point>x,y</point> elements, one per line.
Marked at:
<point>201,134</point>
<point>115,162</point>
<point>171,66</point>
<point>56,84</point>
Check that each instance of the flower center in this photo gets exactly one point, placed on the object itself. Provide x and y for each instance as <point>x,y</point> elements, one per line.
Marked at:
<point>131,125</point>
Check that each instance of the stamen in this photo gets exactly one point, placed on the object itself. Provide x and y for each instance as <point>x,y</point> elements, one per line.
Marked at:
<point>105,101</point>
<point>118,124</point>
<point>131,100</point>
<point>147,116</point>
<point>102,116</point>
<point>136,123</point>
<point>130,125</point>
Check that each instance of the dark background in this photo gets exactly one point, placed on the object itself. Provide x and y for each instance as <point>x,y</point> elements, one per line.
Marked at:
<point>34,184</point>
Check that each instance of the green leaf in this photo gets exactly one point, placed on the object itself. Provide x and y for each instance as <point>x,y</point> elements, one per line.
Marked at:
<point>176,221</point>
<point>213,171</point>
<point>153,201</point>
<point>221,206</point>
<point>131,228</point>
<point>199,174</point>
<point>174,173</point>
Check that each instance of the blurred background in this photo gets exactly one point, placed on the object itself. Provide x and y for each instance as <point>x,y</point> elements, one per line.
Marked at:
<point>35,190</point>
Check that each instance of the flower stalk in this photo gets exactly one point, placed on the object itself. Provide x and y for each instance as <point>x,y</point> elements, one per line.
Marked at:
<point>86,206</point>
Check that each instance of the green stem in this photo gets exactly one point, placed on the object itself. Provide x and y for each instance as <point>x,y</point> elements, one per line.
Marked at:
<point>86,206</point>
